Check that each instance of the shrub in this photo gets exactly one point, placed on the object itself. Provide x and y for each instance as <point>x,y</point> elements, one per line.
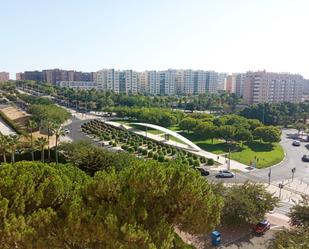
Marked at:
<point>210,161</point>
<point>114,144</point>
<point>202,159</point>
<point>110,143</point>
<point>195,157</point>
<point>140,150</point>
<point>155,156</point>
<point>150,147</point>
<point>145,152</point>
<point>161,158</point>
<point>169,150</point>
<point>131,150</point>
<point>124,147</point>
<point>196,163</point>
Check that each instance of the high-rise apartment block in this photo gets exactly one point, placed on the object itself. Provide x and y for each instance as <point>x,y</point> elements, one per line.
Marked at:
<point>262,86</point>
<point>4,76</point>
<point>55,75</point>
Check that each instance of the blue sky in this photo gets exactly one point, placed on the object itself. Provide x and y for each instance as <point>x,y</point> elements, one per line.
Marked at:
<point>221,35</point>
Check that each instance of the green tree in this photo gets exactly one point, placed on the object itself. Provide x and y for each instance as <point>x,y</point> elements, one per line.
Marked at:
<point>297,238</point>
<point>207,130</point>
<point>269,134</point>
<point>13,142</point>
<point>41,143</point>
<point>243,135</point>
<point>299,213</point>
<point>31,126</point>
<point>33,197</point>
<point>245,203</point>
<point>4,146</point>
<point>188,124</point>
<point>227,132</point>
<point>164,196</point>
<point>58,132</point>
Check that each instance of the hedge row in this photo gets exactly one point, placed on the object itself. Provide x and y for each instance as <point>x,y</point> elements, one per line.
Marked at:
<point>12,124</point>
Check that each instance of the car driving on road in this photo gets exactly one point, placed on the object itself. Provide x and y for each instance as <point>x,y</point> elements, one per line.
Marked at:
<point>262,227</point>
<point>305,158</point>
<point>296,143</point>
<point>203,172</point>
<point>225,174</point>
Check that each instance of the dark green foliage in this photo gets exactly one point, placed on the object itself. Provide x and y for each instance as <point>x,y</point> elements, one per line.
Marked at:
<point>210,161</point>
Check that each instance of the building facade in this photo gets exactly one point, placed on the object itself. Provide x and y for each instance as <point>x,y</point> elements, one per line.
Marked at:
<point>262,86</point>
<point>4,76</point>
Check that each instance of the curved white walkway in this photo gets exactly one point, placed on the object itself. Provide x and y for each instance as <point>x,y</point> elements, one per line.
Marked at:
<point>172,133</point>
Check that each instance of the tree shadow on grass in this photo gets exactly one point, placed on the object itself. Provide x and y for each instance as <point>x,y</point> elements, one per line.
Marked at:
<point>260,147</point>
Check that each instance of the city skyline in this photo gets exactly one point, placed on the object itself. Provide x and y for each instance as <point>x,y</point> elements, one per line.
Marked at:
<point>225,36</point>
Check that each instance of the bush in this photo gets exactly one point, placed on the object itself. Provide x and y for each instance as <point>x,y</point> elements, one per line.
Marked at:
<point>169,151</point>
<point>131,150</point>
<point>150,147</point>
<point>210,161</point>
<point>202,159</point>
<point>155,156</point>
<point>114,144</point>
<point>110,143</point>
<point>124,147</point>
<point>161,158</point>
<point>145,152</point>
<point>196,163</point>
<point>140,150</point>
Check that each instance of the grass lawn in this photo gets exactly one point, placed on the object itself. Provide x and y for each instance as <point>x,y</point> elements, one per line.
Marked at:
<point>264,154</point>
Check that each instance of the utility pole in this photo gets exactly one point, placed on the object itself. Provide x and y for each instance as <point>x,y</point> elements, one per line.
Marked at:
<point>269,175</point>
<point>293,172</point>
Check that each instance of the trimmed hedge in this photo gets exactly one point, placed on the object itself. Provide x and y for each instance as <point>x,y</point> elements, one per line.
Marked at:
<point>12,124</point>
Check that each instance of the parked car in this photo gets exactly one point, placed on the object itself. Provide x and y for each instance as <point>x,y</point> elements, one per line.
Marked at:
<point>66,131</point>
<point>296,143</point>
<point>203,172</point>
<point>262,227</point>
<point>225,174</point>
<point>305,158</point>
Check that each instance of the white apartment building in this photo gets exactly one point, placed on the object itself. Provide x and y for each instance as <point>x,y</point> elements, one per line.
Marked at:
<point>211,81</point>
<point>200,78</point>
<point>142,82</point>
<point>153,82</point>
<point>169,82</point>
<point>222,81</point>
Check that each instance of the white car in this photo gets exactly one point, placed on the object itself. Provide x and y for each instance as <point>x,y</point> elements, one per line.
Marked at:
<point>66,131</point>
<point>296,143</point>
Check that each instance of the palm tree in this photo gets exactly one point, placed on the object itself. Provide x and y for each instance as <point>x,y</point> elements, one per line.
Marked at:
<point>48,124</point>
<point>4,146</point>
<point>32,125</point>
<point>59,132</point>
<point>13,142</point>
<point>40,143</point>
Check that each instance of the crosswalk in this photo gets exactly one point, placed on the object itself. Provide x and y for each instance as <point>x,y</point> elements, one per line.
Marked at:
<point>284,208</point>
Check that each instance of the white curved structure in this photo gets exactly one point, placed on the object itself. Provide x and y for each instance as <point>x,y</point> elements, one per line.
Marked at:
<point>172,133</point>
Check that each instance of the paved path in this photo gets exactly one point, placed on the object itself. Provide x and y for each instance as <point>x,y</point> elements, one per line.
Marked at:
<point>5,129</point>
